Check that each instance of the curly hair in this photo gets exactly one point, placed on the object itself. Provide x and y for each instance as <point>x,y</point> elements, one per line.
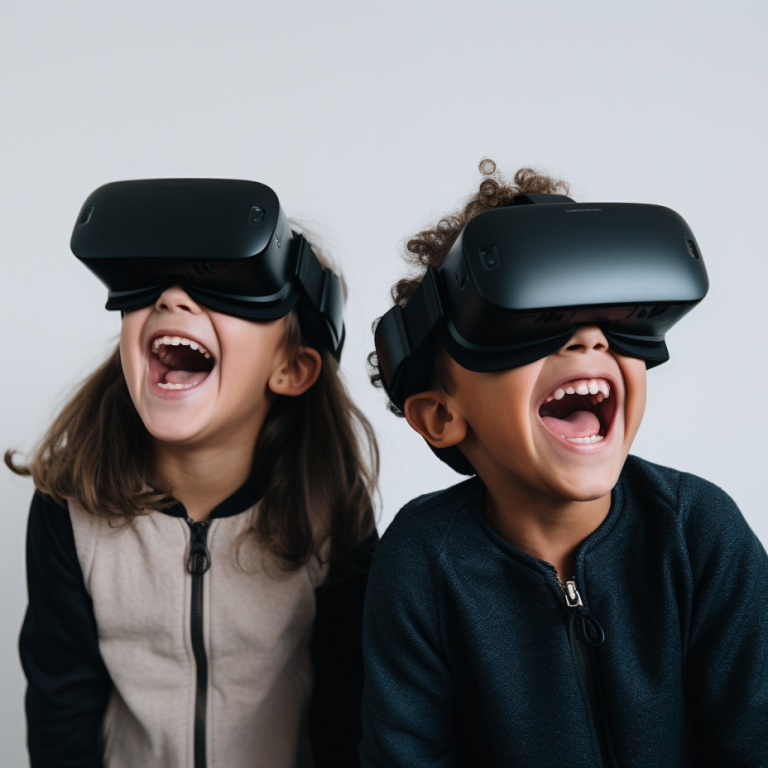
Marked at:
<point>430,247</point>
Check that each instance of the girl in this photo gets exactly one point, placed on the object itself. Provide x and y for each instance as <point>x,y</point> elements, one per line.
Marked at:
<point>197,547</point>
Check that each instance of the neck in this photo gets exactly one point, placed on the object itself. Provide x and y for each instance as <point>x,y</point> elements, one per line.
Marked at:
<point>548,529</point>
<point>201,477</point>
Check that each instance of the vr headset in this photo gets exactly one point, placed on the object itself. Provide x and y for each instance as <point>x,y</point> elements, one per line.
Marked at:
<point>227,243</point>
<point>520,279</point>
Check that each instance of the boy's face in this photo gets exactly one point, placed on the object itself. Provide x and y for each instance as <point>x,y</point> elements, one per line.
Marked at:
<point>199,377</point>
<point>561,426</point>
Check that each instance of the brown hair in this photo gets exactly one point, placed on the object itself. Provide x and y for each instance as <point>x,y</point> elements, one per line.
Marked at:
<point>314,452</point>
<point>430,247</point>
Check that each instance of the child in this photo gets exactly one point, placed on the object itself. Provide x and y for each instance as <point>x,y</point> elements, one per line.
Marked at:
<point>570,605</point>
<point>200,531</point>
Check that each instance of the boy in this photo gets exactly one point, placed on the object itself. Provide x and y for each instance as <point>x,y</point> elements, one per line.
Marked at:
<point>570,605</point>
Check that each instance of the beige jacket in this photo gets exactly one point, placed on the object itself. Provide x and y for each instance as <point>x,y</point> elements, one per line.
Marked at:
<point>256,625</point>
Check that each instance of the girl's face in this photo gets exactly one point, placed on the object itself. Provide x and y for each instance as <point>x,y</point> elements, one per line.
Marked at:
<point>202,377</point>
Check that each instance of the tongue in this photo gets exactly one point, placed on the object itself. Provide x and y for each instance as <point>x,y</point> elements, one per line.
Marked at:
<point>177,376</point>
<point>578,424</point>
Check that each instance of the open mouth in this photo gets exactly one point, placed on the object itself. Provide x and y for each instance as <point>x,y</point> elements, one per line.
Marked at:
<point>177,362</point>
<point>580,411</point>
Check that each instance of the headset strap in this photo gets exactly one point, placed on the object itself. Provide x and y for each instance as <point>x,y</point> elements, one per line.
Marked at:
<point>323,289</point>
<point>405,329</point>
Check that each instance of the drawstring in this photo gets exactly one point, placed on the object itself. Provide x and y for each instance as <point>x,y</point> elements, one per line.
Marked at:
<point>590,628</point>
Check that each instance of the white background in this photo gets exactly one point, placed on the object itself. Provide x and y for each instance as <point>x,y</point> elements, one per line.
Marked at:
<point>369,121</point>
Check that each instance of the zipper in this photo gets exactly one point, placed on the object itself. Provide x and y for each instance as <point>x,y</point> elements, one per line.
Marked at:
<point>585,634</point>
<point>199,562</point>
<point>591,630</point>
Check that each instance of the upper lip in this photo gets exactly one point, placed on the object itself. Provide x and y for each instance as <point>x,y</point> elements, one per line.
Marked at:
<point>183,334</point>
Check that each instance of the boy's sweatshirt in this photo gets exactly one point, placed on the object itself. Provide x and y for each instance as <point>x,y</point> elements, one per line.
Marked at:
<point>474,657</point>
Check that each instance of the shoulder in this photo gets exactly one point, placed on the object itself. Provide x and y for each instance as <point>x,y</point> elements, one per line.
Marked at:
<point>46,507</point>
<point>425,523</point>
<point>705,512</point>
<point>49,520</point>
<point>51,549</point>
<point>645,476</point>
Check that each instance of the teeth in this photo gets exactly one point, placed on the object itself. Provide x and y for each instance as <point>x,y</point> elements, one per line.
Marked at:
<point>175,341</point>
<point>164,385</point>
<point>590,439</point>
<point>598,388</point>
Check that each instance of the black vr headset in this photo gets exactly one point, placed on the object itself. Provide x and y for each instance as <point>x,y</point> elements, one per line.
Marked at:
<point>520,279</point>
<point>227,243</point>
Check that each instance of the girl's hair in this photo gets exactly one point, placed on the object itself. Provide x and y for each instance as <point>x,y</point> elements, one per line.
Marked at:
<point>315,453</point>
<point>430,248</point>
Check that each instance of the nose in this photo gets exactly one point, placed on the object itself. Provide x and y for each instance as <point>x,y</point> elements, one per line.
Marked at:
<point>585,339</point>
<point>176,300</point>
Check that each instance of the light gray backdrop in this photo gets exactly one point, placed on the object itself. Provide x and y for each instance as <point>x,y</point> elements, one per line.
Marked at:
<point>369,120</point>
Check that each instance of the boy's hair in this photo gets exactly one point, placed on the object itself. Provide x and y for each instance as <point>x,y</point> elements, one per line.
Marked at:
<point>430,248</point>
<point>315,453</point>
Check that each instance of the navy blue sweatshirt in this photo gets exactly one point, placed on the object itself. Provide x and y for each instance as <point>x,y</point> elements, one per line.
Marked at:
<point>473,656</point>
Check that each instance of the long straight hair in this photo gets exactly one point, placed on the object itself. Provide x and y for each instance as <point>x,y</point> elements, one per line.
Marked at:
<point>316,459</point>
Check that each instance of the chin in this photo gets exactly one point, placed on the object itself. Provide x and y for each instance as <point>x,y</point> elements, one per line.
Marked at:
<point>586,484</point>
<point>171,427</point>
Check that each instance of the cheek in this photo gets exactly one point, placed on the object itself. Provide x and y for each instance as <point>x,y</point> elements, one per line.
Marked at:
<point>499,406</point>
<point>634,371</point>
<point>249,355</point>
<point>131,353</point>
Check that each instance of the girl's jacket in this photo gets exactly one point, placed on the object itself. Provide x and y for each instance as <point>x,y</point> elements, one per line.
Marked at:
<point>476,656</point>
<point>163,643</point>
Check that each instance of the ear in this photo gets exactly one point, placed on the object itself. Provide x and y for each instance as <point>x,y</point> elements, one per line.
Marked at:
<point>434,417</point>
<point>296,376</point>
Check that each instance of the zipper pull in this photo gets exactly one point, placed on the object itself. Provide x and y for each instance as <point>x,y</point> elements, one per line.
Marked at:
<point>591,630</point>
<point>572,596</point>
<point>199,557</point>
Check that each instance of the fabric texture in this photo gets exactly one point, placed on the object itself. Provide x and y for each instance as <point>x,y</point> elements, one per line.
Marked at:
<point>470,659</point>
<point>106,644</point>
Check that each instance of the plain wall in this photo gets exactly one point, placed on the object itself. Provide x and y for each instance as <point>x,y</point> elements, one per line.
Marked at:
<point>369,121</point>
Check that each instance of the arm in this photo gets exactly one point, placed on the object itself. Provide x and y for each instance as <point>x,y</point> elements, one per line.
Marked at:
<point>337,657</point>
<point>68,685</point>
<point>726,672</point>
<point>409,696</point>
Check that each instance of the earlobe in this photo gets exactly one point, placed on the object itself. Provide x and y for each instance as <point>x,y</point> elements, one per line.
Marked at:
<point>435,419</point>
<point>297,376</point>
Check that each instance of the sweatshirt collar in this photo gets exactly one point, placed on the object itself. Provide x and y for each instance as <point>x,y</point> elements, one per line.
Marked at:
<point>476,490</point>
<point>245,497</point>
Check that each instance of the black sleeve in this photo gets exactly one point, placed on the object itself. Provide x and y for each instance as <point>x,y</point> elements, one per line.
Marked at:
<point>726,672</point>
<point>68,685</point>
<point>337,656</point>
<point>409,701</point>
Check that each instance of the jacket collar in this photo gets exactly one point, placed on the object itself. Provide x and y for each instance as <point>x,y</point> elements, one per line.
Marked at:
<point>245,497</point>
